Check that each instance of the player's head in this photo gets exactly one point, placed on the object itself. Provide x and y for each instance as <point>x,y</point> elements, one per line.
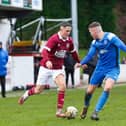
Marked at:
<point>65,29</point>
<point>95,30</point>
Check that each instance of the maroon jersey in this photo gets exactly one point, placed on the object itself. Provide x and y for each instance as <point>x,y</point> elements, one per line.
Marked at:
<point>55,50</point>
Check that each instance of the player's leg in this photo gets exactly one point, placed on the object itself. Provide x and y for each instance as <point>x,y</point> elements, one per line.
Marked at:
<point>34,90</point>
<point>100,85</point>
<point>67,77</point>
<point>3,86</point>
<point>60,81</point>
<point>96,77</point>
<point>87,98</point>
<point>111,77</point>
<point>72,78</point>
<point>103,98</point>
<point>41,80</point>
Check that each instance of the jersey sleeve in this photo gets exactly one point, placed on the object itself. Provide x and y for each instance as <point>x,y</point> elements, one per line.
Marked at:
<point>88,57</point>
<point>75,56</point>
<point>73,51</point>
<point>119,43</point>
<point>51,43</point>
<point>71,48</point>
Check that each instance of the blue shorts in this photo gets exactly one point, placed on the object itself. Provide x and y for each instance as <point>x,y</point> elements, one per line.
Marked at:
<point>98,76</point>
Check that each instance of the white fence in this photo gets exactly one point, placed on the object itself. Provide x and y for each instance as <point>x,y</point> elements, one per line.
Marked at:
<point>21,72</point>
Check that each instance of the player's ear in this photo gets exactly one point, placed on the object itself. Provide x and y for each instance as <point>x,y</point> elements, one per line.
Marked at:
<point>61,27</point>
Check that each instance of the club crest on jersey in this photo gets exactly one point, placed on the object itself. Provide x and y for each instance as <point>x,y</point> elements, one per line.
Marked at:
<point>67,45</point>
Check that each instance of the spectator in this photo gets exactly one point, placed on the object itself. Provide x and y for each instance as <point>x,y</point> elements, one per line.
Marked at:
<point>3,69</point>
<point>69,63</point>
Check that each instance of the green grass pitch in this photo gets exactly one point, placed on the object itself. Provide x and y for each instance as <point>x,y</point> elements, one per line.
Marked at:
<point>39,110</point>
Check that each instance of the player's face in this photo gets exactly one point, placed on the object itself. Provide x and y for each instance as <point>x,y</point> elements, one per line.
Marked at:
<point>65,31</point>
<point>94,32</point>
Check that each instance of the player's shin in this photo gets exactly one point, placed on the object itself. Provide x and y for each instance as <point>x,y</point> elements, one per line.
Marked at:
<point>87,99</point>
<point>102,100</point>
<point>31,91</point>
<point>25,96</point>
<point>60,103</point>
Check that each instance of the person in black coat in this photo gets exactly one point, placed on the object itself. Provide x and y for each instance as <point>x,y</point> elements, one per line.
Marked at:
<point>69,63</point>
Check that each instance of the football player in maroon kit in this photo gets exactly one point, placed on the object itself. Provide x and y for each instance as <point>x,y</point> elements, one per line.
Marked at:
<point>52,63</point>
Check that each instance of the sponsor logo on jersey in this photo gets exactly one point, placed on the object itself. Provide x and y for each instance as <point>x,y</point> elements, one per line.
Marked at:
<point>103,51</point>
<point>60,53</point>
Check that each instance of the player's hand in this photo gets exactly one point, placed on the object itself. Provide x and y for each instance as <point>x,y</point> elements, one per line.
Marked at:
<point>77,65</point>
<point>85,66</point>
<point>49,64</point>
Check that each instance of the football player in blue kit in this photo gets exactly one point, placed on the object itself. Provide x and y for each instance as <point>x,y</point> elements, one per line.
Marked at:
<point>108,46</point>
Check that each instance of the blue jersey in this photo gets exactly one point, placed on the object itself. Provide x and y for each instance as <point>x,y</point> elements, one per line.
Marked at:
<point>108,49</point>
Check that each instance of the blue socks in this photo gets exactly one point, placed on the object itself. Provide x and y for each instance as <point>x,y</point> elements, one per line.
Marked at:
<point>102,100</point>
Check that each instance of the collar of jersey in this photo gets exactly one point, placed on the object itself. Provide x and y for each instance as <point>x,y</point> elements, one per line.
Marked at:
<point>105,34</point>
<point>60,37</point>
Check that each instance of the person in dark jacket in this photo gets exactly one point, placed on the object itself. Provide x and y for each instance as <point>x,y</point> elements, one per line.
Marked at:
<point>69,63</point>
<point>3,69</point>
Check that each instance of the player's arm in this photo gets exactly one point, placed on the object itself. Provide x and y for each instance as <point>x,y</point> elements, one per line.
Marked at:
<point>89,56</point>
<point>51,43</point>
<point>73,52</point>
<point>45,53</point>
<point>75,56</point>
<point>119,43</point>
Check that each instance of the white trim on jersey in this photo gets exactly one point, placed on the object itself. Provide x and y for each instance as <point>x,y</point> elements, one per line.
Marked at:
<point>93,41</point>
<point>60,37</point>
<point>73,50</point>
<point>110,36</point>
<point>47,48</point>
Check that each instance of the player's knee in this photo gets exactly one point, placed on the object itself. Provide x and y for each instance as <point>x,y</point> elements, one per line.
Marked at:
<point>108,89</point>
<point>62,87</point>
<point>91,89</point>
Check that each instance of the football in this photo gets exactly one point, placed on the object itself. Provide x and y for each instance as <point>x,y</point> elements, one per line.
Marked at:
<point>71,112</point>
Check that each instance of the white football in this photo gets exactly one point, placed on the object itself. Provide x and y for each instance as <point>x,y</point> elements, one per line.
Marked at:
<point>71,112</point>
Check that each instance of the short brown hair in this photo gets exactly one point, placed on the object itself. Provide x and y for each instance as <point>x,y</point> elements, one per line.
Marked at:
<point>94,24</point>
<point>65,24</point>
